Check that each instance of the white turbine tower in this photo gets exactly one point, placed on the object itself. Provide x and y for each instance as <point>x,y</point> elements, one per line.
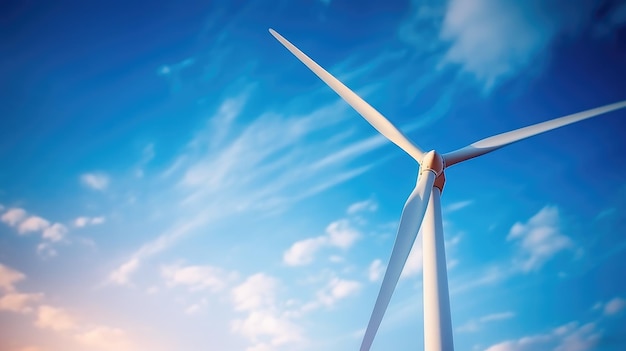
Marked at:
<point>423,207</point>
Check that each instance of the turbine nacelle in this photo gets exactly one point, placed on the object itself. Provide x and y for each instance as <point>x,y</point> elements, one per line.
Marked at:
<point>435,163</point>
<point>432,161</point>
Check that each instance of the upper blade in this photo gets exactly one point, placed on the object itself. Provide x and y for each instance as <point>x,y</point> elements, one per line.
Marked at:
<point>495,142</point>
<point>410,222</point>
<point>377,120</point>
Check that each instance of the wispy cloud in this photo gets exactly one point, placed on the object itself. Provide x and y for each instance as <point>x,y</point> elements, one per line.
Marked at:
<point>147,154</point>
<point>475,325</point>
<point>105,338</point>
<point>264,325</point>
<point>46,250</point>
<point>611,307</point>
<point>55,232</point>
<point>81,222</point>
<point>540,238</point>
<point>337,289</point>
<point>571,336</point>
<point>122,274</point>
<point>32,224</point>
<point>57,319</point>
<point>362,206</point>
<point>223,181</point>
<point>375,270</point>
<point>172,72</point>
<point>303,252</point>
<point>480,32</point>
<point>197,277</point>
<point>13,300</point>
<point>487,276</point>
<point>13,216</point>
<point>339,234</point>
<point>9,277</point>
<point>19,302</point>
<point>96,181</point>
<point>455,206</point>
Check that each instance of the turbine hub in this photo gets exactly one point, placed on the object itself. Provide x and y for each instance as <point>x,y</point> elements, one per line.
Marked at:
<point>432,161</point>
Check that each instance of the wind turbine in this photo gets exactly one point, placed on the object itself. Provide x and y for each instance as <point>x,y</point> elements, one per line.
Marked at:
<point>423,207</point>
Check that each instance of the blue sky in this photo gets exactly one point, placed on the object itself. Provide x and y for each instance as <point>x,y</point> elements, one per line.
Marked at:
<point>173,179</point>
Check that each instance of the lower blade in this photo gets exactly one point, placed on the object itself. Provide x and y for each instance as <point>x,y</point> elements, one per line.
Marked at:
<point>410,222</point>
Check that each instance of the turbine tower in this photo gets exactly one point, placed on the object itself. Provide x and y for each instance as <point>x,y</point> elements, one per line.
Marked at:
<point>423,208</point>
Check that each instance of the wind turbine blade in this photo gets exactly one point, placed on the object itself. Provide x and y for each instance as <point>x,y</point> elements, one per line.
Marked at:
<point>410,222</point>
<point>374,117</point>
<point>495,142</point>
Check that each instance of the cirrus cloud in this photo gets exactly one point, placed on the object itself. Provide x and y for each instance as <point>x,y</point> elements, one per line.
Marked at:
<point>495,40</point>
<point>339,234</point>
<point>539,239</point>
<point>96,181</point>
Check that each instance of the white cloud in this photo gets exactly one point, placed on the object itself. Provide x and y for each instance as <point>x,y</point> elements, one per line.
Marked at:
<point>264,323</point>
<point>214,181</point>
<point>223,120</point>
<point>13,216</point>
<point>488,276</point>
<point>196,277</point>
<point>57,319</point>
<point>55,232</point>
<point>81,222</point>
<point>614,306</point>
<point>375,271</point>
<point>363,206</point>
<point>97,220</point>
<point>475,325</point>
<point>539,239</point>
<point>341,234</point>
<point>46,250</point>
<point>84,221</point>
<point>455,206</point>
<point>497,316</point>
<point>121,275</point>
<point>494,40</point>
<point>337,289</point>
<point>9,277</point>
<point>569,337</point>
<point>302,252</point>
<point>19,302</point>
<point>33,224</point>
<point>196,307</point>
<point>105,338</point>
<point>338,234</point>
<point>256,292</point>
<point>96,181</point>
<point>147,155</point>
<point>350,152</point>
<point>172,72</point>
